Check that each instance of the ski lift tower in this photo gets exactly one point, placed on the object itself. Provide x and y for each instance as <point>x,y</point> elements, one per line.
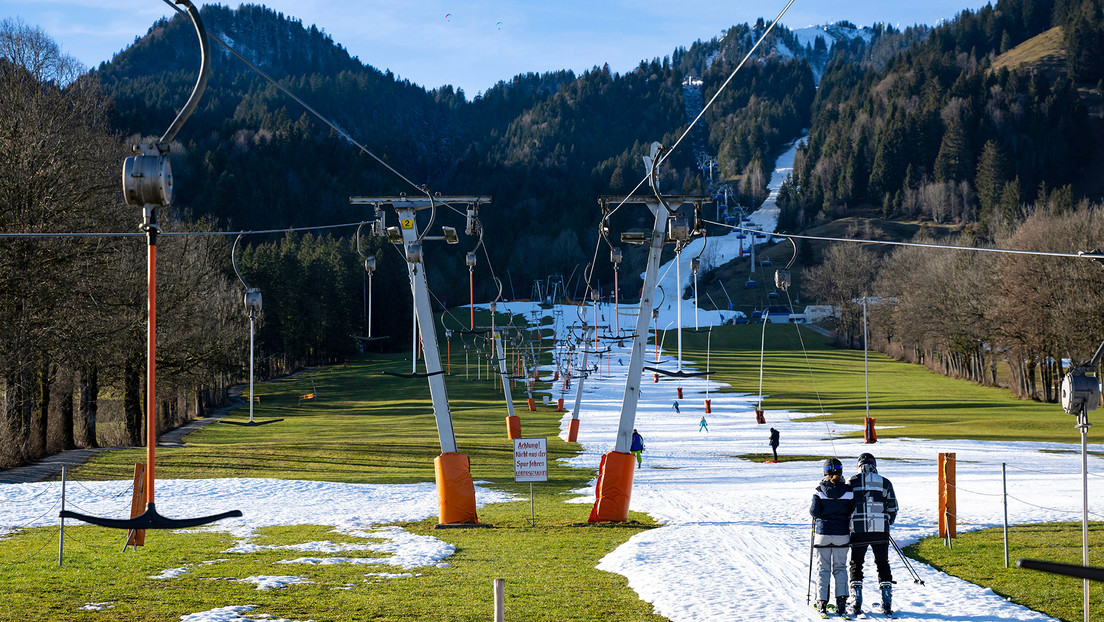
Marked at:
<point>615,472</point>
<point>455,489</point>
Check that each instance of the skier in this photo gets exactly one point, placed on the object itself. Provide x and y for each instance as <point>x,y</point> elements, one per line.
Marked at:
<point>703,425</point>
<point>637,447</point>
<point>833,503</point>
<point>676,407</point>
<point>773,442</point>
<point>875,511</point>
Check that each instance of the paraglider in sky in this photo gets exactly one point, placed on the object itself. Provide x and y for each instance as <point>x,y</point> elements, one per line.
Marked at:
<point>447,16</point>
<point>499,24</point>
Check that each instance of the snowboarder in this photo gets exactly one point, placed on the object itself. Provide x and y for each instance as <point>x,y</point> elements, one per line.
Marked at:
<point>875,511</point>
<point>637,447</point>
<point>833,503</point>
<point>773,442</point>
<point>703,425</point>
<point>676,407</point>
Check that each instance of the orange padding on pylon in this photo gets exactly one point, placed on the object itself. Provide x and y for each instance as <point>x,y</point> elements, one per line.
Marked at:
<point>871,435</point>
<point>455,489</point>
<point>513,427</point>
<point>708,406</point>
<point>680,392</point>
<point>614,489</point>
<point>559,406</point>
<point>532,405</point>
<point>759,418</point>
<point>573,431</point>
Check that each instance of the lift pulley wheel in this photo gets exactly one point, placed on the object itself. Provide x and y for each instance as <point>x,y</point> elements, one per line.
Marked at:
<point>253,300</point>
<point>414,252</point>
<point>147,180</point>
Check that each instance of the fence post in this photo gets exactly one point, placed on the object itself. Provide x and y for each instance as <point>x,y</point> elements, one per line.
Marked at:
<point>61,534</point>
<point>499,600</point>
<point>1004,500</point>
<point>946,487</point>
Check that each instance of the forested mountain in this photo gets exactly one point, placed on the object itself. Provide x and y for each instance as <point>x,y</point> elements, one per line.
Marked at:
<point>544,146</point>
<point>943,132</point>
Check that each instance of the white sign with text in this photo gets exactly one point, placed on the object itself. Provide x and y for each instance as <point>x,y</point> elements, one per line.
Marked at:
<point>530,460</point>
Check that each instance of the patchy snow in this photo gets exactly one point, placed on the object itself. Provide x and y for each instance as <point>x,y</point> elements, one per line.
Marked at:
<point>735,539</point>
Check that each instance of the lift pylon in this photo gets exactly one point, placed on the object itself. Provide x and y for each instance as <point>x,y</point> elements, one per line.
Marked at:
<point>615,473</point>
<point>455,489</point>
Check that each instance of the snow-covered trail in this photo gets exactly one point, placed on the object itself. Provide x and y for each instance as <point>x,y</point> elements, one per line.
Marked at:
<point>736,534</point>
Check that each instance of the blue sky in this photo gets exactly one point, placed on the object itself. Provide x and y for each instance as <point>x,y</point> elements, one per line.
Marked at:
<point>471,49</point>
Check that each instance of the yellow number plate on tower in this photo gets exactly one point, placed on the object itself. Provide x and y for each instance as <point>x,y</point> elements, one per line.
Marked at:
<point>407,223</point>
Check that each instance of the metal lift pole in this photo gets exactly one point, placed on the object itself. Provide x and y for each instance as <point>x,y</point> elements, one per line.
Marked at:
<point>424,315</point>
<point>640,336</point>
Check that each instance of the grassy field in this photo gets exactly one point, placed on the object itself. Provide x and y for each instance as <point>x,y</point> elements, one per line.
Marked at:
<point>978,557</point>
<point>363,426</point>
<point>906,400</point>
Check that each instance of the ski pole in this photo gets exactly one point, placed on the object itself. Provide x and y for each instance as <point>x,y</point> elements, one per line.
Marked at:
<point>915,577</point>
<point>809,584</point>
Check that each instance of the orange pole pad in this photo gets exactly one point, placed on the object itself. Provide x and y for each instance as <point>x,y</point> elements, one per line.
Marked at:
<point>708,406</point>
<point>759,418</point>
<point>680,392</point>
<point>513,427</point>
<point>455,489</point>
<point>614,489</point>
<point>559,406</point>
<point>573,431</point>
<point>532,405</point>
<point>871,436</point>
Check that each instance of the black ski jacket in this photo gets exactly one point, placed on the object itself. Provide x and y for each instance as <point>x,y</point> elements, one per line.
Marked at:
<point>832,507</point>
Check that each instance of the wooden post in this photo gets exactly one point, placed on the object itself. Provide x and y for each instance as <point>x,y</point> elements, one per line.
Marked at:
<point>500,600</point>
<point>947,506</point>
<point>137,537</point>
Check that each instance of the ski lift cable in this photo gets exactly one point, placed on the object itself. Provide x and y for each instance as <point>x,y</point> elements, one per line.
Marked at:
<point>302,103</point>
<point>812,379</point>
<point>707,106</point>
<point>725,84</point>
<point>980,249</point>
<point>179,233</point>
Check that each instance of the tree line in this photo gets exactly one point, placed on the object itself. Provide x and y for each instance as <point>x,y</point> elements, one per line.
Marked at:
<point>73,308</point>
<point>1011,320</point>
<point>938,134</point>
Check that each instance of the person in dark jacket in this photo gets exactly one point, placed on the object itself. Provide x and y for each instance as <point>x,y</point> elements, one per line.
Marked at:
<point>773,442</point>
<point>833,503</point>
<point>637,447</point>
<point>875,511</point>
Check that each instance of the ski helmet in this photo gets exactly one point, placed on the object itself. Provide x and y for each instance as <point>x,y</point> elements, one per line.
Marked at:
<point>833,466</point>
<point>866,459</point>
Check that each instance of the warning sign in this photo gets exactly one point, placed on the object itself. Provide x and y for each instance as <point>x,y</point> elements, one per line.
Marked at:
<point>530,460</point>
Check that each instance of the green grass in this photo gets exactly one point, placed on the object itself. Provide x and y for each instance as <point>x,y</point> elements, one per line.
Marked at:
<point>978,557</point>
<point>905,400</point>
<point>362,426</point>
<point>365,427</point>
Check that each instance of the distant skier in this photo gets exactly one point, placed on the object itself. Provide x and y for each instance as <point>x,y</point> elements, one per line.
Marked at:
<point>704,425</point>
<point>637,447</point>
<point>875,511</point>
<point>833,502</point>
<point>676,407</point>
<point>773,442</point>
